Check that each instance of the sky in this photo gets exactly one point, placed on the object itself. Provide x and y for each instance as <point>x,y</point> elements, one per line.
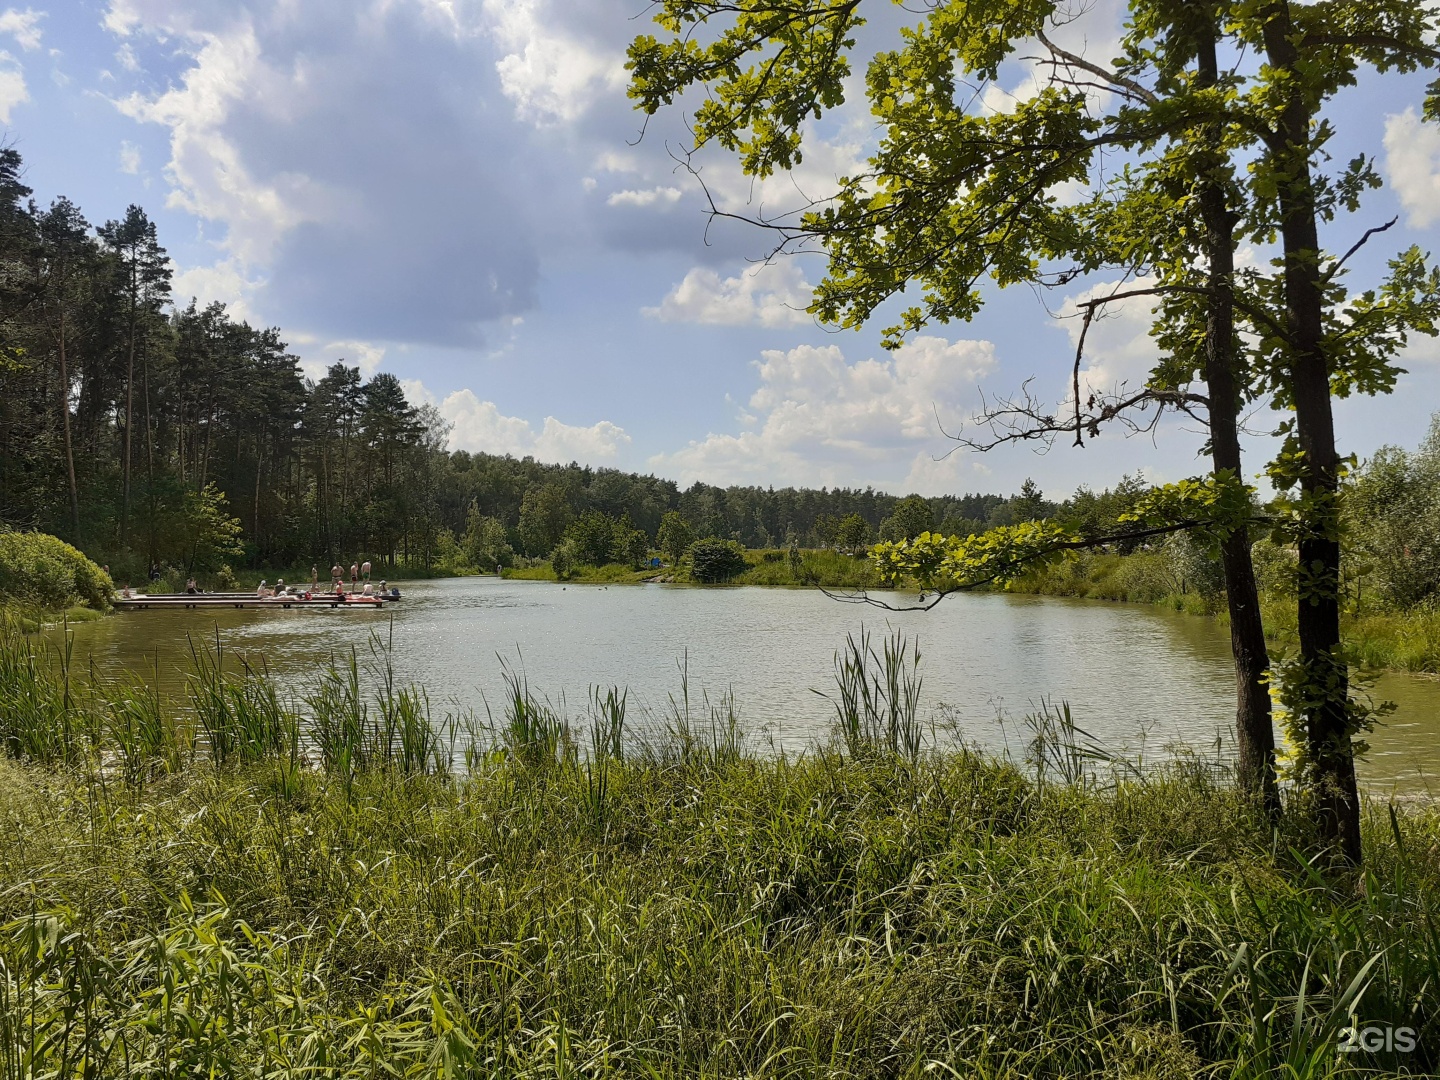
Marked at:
<point>459,192</point>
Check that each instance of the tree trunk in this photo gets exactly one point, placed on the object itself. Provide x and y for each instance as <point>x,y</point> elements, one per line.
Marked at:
<point>1254,733</point>
<point>1322,664</point>
<point>129,413</point>
<point>65,419</point>
<point>149,464</point>
<point>259,472</point>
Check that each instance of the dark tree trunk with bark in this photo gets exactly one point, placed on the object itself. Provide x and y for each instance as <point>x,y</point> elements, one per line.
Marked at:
<point>1254,733</point>
<point>1330,747</point>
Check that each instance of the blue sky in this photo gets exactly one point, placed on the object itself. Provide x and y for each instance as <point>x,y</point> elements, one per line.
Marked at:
<point>455,191</point>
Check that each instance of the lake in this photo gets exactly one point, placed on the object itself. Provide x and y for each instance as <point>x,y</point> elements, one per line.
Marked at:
<point>1139,679</point>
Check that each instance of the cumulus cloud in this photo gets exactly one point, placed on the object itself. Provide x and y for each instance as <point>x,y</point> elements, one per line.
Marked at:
<point>349,157</point>
<point>23,26</point>
<point>1412,160</point>
<point>816,418</point>
<point>225,282</point>
<point>13,90</point>
<point>481,426</point>
<point>129,158</point>
<point>771,294</point>
<point>550,73</point>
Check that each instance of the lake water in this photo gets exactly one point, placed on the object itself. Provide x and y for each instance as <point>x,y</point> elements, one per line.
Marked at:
<point>1139,679</point>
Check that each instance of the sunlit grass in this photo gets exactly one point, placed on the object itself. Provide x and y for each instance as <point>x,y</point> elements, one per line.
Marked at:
<point>580,895</point>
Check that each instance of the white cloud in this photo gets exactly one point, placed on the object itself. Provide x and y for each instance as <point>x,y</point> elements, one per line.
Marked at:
<point>771,294</point>
<point>350,155</point>
<point>818,419</point>
<point>647,197</point>
<point>129,158</point>
<point>23,26</point>
<point>1412,160</point>
<point>1118,349</point>
<point>549,74</point>
<point>942,473</point>
<point>208,171</point>
<point>225,281</point>
<point>13,91</point>
<point>480,426</point>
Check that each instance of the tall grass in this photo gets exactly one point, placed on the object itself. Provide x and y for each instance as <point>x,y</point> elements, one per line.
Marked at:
<point>687,908</point>
<point>877,699</point>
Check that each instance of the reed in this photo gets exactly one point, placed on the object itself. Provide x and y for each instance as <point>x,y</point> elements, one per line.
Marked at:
<point>686,908</point>
<point>877,700</point>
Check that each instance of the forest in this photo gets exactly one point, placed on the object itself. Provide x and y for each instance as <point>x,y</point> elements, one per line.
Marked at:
<point>148,430</point>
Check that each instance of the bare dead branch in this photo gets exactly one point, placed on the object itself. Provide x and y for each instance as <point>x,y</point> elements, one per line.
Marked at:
<point>1357,246</point>
<point>1117,82</point>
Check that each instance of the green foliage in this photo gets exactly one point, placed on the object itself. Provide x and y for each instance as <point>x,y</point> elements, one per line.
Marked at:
<point>852,532</point>
<point>1392,510</point>
<point>935,561</point>
<point>1094,515</point>
<point>564,561</point>
<point>43,572</point>
<point>485,544</point>
<point>591,536</point>
<point>210,535</point>
<point>912,517</point>
<point>713,560</point>
<point>596,539</point>
<point>688,909</point>
<point>675,537</point>
<point>544,515</point>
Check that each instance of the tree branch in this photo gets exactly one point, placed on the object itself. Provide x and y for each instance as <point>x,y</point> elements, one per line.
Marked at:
<point>864,597</point>
<point>1356,247</point>
<point>1129,87</point>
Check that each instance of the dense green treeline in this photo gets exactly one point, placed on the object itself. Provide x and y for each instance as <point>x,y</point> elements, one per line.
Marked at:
<point>148,431</point>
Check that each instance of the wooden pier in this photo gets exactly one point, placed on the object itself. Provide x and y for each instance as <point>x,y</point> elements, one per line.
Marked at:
<point>248,600</point>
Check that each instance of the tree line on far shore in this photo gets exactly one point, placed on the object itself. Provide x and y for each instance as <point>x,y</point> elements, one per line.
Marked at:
<point>148,430</point>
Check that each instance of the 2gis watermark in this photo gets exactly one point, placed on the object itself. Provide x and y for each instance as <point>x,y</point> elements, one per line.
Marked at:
<point>1376,1039</point>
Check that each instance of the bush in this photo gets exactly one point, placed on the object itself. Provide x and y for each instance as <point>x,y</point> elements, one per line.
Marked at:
<point>1393,515</point>
<point>674,537</point>
<point>564,560</point>
<point>42,571</point>
<point>713,560</point>
<point>485,545</point>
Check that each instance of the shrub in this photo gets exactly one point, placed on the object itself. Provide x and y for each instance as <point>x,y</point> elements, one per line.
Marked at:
<point>42,571</point>
<point>713,560</point>
<point>564,560</point>
<point>675,537</point>
<point>485,544</point>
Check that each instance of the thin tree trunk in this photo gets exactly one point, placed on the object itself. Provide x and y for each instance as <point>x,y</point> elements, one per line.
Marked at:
<point>259,471</point>
<point>129,413</point>
<point>1254,733</point>
<point>1330,748</point>
<point>65,418</point>
<point>149,464</point>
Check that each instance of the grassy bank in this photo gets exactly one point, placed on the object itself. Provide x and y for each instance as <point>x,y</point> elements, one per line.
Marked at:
<point>773,567</point>
<point>254,888</point>
<point>1402,641</point>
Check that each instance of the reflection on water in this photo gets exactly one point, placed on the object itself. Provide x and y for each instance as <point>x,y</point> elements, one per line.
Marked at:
<point>1137,678</point>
